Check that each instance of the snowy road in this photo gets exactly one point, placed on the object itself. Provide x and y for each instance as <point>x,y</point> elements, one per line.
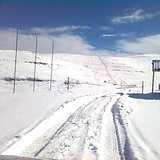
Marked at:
<point>81,129</point>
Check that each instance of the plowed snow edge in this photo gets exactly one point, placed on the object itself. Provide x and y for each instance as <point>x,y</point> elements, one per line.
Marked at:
<point>125,151</point>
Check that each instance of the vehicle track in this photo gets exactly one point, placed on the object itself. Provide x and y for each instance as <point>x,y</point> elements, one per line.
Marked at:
<point>74,131</point>
<point>109,147</point>
<point>43,140</point>
<point>80,136</point>
<point>89,132</point>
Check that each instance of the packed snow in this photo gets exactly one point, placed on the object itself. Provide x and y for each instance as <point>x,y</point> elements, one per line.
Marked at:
<point>100,113</point>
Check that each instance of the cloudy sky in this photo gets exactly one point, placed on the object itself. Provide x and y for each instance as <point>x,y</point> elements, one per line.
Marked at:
<point>82,26</point>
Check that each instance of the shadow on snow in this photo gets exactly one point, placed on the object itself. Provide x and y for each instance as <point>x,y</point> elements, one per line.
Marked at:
<point>148,96</point>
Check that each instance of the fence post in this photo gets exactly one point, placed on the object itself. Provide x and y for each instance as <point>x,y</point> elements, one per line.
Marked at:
<point>68,84</point>
<point>142,87</point>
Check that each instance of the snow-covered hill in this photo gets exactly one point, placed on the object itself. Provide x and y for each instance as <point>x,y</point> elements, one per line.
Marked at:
<point>103,115</point>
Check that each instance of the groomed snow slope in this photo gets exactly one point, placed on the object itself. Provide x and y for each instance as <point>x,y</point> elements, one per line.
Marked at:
<point>102,116</point>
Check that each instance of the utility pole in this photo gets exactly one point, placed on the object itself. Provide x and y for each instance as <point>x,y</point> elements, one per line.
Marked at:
<point>51,66</point>
<point>15,64</point>
<point>35,63</point>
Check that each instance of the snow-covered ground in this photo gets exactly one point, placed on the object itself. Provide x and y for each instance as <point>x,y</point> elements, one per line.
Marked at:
<point>102,116</point>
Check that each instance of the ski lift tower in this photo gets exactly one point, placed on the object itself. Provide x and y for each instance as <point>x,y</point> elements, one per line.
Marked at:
<point>155,68</point>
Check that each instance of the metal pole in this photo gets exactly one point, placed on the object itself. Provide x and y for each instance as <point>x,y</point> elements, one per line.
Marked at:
<point>15,64</point>
<point>35,63</point>
<point>142,87</point>
<point>153,70</point>
<point>153,82</point>
<point>68,84</point>
<point>51,66</point>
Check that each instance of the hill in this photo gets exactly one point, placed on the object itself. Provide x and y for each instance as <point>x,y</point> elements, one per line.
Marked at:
<point>102,114</point>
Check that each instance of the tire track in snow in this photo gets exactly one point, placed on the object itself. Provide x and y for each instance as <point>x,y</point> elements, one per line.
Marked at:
<point>43,141</point>
<point>115,112</point>
<point>87,133</point>
<point>83,136</point>
<point>125,150</point>
<point>62,128</point>
<point>77,134</point>
<point>42,133</point>
<point>108,147</point>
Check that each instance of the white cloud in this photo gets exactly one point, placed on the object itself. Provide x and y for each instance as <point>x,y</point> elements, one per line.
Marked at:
<point>112,35</point>
<point>63,29</point>
<point>72,44</point>
<point>108,35</point>
<point>149,44</point>
<point>65,42</point>
<point>132,17</point>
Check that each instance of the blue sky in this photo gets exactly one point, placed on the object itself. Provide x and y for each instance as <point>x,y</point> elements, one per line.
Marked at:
<point>101,26</point>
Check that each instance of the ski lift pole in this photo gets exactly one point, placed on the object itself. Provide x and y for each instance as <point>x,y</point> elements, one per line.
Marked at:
<point>15,64</point>
<point>35,63</point>
<point>51,66</point>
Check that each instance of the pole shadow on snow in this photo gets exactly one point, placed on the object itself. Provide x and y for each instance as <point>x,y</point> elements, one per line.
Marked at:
<point>148,96</point>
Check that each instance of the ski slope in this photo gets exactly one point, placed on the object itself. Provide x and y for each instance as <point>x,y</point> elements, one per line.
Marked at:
<point>102,116</point>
